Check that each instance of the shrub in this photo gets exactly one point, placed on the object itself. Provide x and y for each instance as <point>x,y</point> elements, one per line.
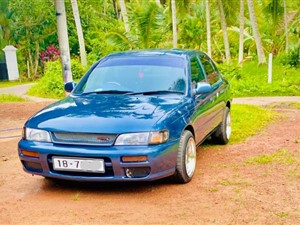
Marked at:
<point>292,58</point>
<point>51,84</point>
<point>252,79</point>
<point>77,69</point>
<point>230,71</point>
<point>50,54</point>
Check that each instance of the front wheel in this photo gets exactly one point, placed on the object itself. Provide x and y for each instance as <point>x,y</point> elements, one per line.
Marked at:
<point>223,132</point>
<point>186,158</point>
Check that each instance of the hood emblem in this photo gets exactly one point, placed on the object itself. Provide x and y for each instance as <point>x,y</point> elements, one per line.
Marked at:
<point>103,138</point>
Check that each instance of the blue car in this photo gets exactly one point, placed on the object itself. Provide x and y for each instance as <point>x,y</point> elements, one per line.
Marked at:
<point>134,116</point>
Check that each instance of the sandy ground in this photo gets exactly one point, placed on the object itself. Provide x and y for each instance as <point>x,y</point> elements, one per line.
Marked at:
<point>226,188</point>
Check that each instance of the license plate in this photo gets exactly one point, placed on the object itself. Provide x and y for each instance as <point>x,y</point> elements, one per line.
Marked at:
<point>78,164</point>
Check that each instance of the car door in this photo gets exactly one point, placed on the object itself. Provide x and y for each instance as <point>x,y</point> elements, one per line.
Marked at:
<point>216,105</point>
<point>201,116</point>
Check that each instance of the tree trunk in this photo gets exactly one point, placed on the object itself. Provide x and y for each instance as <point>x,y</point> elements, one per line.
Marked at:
<point>63,40</point>
<point>208,33</point>
<point>242,21</point>
<point>124,15</point>
<point>115,9</point>
<point>256,34</point>
<point>286,27</point>
<point>174,23</point>
<point>79,32</point>
<point>224,29</point>
<point>30,62</point>
<point>36,58</point>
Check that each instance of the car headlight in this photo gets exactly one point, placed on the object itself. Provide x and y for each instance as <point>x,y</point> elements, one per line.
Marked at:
<point>36,135</point>
<point>143,138</point>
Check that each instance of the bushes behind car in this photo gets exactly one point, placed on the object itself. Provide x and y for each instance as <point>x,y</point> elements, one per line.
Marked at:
<point>51,84</point>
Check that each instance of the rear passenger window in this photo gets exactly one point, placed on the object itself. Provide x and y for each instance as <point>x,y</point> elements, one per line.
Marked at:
<point>211,74</point>
<point>196,70</point>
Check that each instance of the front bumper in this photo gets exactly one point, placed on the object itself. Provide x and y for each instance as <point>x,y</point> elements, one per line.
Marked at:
<point>161,160</point>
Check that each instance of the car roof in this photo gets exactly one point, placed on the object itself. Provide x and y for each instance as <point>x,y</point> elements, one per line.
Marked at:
<point>157,52</point>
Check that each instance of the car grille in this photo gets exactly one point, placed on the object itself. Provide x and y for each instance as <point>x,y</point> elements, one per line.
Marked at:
<point>83,138</point>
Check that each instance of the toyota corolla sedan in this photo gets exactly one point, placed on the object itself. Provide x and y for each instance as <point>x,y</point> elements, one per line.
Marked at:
<point>134,116</point>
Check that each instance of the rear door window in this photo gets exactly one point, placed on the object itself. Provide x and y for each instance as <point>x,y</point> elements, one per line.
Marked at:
<point>212,74</point>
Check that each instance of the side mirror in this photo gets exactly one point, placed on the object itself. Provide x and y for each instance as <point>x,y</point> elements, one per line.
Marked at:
<point>70,86</point>
<point>203,88</point>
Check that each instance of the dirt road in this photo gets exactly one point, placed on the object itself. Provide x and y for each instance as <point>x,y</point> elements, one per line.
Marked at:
<point>229,187</point>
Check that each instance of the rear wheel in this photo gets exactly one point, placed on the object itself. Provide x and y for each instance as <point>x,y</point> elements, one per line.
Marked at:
<point>186,158</point>
<point>223,132</point>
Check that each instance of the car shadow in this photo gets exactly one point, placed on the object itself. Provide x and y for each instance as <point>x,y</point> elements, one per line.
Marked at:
<point>53,185</point>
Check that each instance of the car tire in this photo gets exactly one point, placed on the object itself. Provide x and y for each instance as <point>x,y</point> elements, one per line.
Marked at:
<point>186,158</point>
<point>223,132</point>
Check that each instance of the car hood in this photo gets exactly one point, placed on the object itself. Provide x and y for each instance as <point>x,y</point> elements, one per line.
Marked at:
<point>105,113</point>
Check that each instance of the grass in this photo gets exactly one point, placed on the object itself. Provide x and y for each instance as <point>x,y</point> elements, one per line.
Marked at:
<point>280,156</point>
<point>11,98</point>
<point>4,84</point>
<point>282,214</point>
<point>76,196</point>
<point>230,182</point>
<point>252,80</point>
<point>248,120</point>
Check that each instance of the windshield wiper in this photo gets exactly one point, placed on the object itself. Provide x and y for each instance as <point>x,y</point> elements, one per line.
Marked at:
<point>107,92</point>
<point>156,92</point>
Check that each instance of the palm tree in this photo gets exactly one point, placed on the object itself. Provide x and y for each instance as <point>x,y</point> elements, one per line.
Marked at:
<point>124,15</point>
<point>148,29</point>
<point>174,23</point>
<point>63,40</point>
<point>241,42</point>
<point>256,34</point>
<point>286,27</point>
<point>208,33</point>
<point>224,29</point>
<point>79,32</point>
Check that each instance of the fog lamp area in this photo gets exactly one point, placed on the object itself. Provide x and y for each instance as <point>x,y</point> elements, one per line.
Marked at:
<point>137,172</point>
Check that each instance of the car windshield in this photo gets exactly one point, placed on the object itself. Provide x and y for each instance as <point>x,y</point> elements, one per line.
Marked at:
<point>121,75</point>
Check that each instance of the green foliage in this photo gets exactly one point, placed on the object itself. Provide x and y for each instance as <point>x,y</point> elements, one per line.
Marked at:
<point>280,156</point>
<point>148,28</point>
<point>5,28</point>
<point>248,121</point>
<point>77,69</point>
<point>11,98</point>
<point>51,84</point>
<point>252,80</point>
<point>193,28</point>
<point>292,58</point>
<point>33,29</point>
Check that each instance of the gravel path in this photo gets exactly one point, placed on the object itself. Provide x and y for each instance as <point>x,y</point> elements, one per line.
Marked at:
<point>262,101</point>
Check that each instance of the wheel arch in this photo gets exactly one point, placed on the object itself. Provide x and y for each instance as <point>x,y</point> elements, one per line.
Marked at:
<point>190,128</point>
<point>228,104</point>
